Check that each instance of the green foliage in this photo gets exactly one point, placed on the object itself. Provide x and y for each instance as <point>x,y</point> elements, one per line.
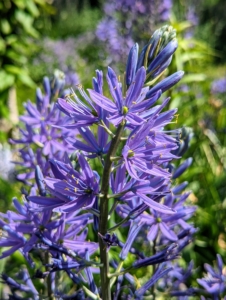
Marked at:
<point>16,31</point>
<point>205,113</point>
<point>74,22</point>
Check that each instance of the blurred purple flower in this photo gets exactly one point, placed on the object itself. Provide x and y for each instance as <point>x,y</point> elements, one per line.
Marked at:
<point>122,18</point>
<point>60,54</point>
<point>219,86</point>
<point>215,280</point>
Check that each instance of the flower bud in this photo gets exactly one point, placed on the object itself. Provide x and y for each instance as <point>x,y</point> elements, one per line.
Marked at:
<point>131,64</point>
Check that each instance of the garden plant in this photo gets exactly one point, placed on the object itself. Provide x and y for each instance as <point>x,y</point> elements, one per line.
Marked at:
<point>101,214</point>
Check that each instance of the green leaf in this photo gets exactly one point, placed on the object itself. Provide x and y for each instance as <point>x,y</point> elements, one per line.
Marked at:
<point>6,80</point>
<point>2,46</point>
<point>182,26</point>
<point>192,55</point>
<point>32,8</point>
<point>21,75</point>
<point>19,3</point>
<point>5,26</point>
<point>12,69</point>
<point>193,78</point>
<point>12,38</point>
<point>26,22</point>
<point>16,57</point>
<point>26,79</point>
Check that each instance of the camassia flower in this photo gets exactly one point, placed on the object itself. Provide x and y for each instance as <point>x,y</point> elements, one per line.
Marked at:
<point>144,154</point>
<point>71,189</point>
<point>119,175</point>
<point>215,280</point>
<point>125,108</point>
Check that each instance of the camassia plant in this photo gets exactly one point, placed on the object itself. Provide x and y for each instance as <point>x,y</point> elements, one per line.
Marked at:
<point>102,216</point>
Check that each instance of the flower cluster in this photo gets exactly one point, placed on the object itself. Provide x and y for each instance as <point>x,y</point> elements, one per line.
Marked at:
<point>103,183</point>
<point>40,138</point>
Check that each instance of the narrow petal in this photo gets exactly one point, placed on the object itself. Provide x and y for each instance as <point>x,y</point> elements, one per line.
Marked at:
<point>102,101</point>
<point>167,232</point>
<point>155,205</point>
<point>152,233</point>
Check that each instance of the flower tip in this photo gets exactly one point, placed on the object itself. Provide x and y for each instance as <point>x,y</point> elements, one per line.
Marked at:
<point>110,70</point>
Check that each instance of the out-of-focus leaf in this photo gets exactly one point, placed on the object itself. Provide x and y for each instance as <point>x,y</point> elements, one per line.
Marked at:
<point>21,47</point>
<point>5,26</point>
<point>32,8</point>
<point>20,75</point>
<point>16,57</point>
<point>2,46</point>
<point>12,38</point>
<point>12,69</point>
<point>181,26</point>
<point>41,2</point>
<point>26,21</point>
<point>192,55</point>
<point>19,3</point>
<point>193,78</point>
<point>6,80</point>
<point>26,79</point>
<point>2,266</point>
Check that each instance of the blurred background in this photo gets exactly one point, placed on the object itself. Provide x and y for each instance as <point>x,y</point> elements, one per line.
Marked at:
<point>77,37</point>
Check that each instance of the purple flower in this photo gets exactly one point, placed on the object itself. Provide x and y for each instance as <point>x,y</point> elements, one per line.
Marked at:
<point>82,114</point>
<point>215,280</point>
<point>11,239</point>
<point>134,192</point>
<point>219,86</point>
<point>177,280</point>
<point>72,189</point>
<point>125,20</point>
<point>160,272</point>
<point>127,108</point>
<point>39,137</point>
<point>143,154</point>
<point>162,60</point>
<point>133,232</point>
<point>26,285</point>
<point>131,64</point>
<point>166,83</point>
<point>168,253</point>
<point>93,147</point>
<point>182,168</point>
<point>164,9</point>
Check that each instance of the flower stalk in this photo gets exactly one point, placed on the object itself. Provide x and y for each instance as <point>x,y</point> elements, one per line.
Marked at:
<point>104,271</point>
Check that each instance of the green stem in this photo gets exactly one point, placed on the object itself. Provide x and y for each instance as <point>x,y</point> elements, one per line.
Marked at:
<point>153,270</point>
<point>49,279</point>
<point>119,224</point>
<point>113,279</point>
<point>107,129</point>
<point>123,272</point>
<point>104,271</point>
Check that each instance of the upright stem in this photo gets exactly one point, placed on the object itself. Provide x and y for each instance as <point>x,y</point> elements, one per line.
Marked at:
<point>49,279</point>
<point>104,270</point>
<point>153,270</point>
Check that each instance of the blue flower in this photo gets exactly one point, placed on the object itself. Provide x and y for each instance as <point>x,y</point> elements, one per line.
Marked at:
<point>215,280</point>
<point>72,189</point>
<point>125,108</point>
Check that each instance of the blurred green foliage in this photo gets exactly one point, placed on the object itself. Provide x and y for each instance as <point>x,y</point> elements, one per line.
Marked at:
<point>205,113</point>
<point>16,27</point>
